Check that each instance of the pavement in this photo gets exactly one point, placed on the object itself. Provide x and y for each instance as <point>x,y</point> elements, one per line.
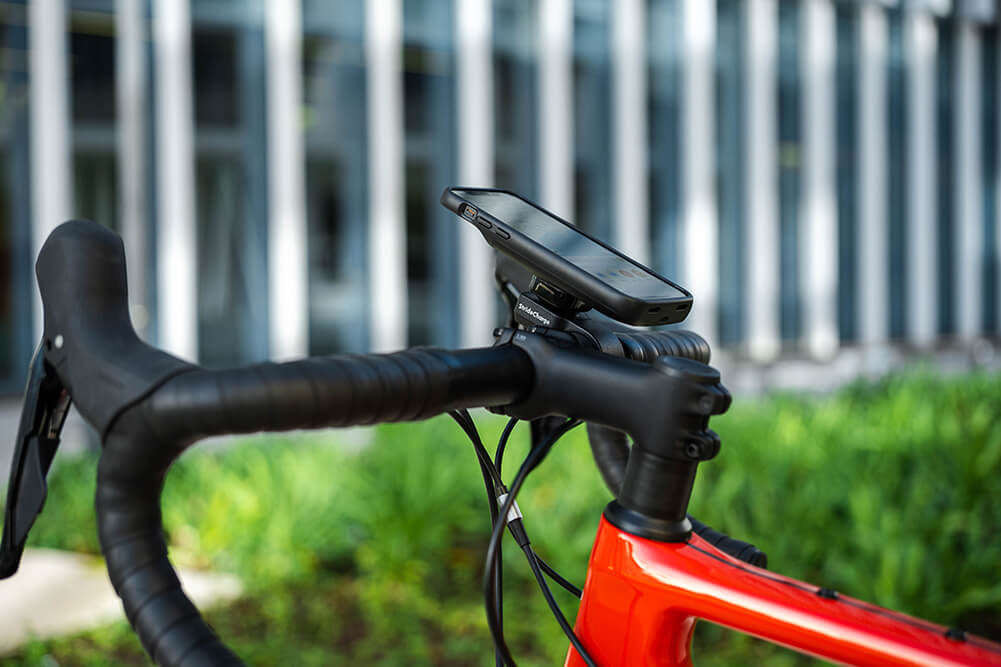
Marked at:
<point>57,593</point>
<point>77,435</point>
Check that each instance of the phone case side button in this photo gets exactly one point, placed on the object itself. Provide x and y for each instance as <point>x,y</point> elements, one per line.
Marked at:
<point>501,233</point>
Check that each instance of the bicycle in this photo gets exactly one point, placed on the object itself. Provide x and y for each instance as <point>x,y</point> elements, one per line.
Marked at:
<point>653,570</point>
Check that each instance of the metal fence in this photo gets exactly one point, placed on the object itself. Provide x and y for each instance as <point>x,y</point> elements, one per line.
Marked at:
<point>823,175</point>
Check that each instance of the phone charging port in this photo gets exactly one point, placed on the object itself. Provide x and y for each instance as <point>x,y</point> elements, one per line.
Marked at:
<point>469,213</point>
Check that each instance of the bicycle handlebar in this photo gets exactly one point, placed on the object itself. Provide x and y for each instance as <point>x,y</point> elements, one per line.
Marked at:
<point>149,406</point>
<point>339,391</point>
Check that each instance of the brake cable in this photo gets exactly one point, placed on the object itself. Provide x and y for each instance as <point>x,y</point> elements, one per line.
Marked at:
<point>510,516</point>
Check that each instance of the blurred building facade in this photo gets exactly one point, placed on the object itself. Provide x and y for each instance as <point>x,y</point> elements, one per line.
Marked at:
<point>822,174</point>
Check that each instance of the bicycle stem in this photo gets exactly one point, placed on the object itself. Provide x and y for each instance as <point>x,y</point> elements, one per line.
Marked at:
<point>665,406</point>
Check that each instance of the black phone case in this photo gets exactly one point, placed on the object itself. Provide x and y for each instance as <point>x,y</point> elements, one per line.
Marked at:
<point>561,273</point>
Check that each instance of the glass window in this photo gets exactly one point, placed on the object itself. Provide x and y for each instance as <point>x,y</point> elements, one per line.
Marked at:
<point>516,96</point>
<point>847,74</point>
<point>95,186</point>
<point>790,153</point>
<point>16,261</point>
<point>214,69</point>
<point>730,166</point>
<point>432,232</point>
<point>336,180</point>
<point>224,290</point>
<point>231,187</point>
<point>945,118</point>
<point>592,118</point>
<point>664,106</point>
<point>9,360</point>
<point>989,118</point>
<point>93,99</point>
<point>896,128</point>
<point>92,66</point>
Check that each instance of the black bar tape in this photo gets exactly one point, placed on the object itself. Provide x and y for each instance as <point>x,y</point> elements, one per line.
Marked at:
<point>334,391</point>
<point>737,548</point>
<point>648,345</point>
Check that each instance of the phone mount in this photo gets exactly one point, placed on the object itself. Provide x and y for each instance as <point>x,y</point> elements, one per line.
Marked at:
<point>541,307</point>
<point>544,306</point>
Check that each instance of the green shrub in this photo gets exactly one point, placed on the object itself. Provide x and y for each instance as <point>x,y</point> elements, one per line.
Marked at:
<point>883,491</point>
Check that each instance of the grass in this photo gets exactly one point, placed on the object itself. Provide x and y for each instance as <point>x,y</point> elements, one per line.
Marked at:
<point>883,491</point>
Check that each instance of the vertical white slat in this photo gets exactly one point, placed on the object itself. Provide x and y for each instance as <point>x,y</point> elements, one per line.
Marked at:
<point>51,152</point>
<point>387,259</point>
<point>761,179</point>
<point>130,86</point>
<point>556,150</point>
<point>968,182</point>
<point>819,240</point>
<point>476,164</point>
<point>177,265</point>
<point>873,228</point>
<point>630,137</point>
<point>700,222</point>
<point>288,270</point>
<point>921,44</point>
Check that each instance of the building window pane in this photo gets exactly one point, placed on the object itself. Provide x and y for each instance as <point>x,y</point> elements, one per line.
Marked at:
<point>432,232</point>
<point>516,96</point>
<point>730,166</point>
<point>8,250</point>
<point>95,187</point>
<point>16,261</point>
<point>989,118</point>
<point>847,74</point>
<point>231,187</point>
<point>945,132</point>
<point>664,78</point>
<point>896,125</point>
<point>215,74</point>
<point>592,118</point>
<point>336,181</point>
<point>790,152</point>
<point>92,67</point>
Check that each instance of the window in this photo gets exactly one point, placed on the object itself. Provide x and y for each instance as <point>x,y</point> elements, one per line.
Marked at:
<point>664,104</point>
<point>515,96</point>
<point>947,230</point>
<point>432,232</point>
<point>790,154</point>
<point>336,178</point>
<point>16,262</point>
<point>592,118</point>
<point>847,74</point>
<point>989,116</point>
<point>231,184</point>
<point>730,166</point>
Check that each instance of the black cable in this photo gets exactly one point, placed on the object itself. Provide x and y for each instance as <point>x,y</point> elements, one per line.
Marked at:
<point>534,458</point>
<point>502,444</point>
<point>465,421</point>
<point>499,578</point>
<point>498,460</point>
<point>491,478</point>
<point>557,577</point>
<point>555,608</point>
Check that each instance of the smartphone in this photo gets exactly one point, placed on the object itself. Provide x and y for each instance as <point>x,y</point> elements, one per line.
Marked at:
<point>567,258</point>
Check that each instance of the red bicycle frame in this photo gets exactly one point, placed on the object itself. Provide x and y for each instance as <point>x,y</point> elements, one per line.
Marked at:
<point>642,599</point>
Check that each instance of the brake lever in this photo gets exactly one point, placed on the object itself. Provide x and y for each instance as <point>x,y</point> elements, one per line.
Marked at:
<point>46,404</point>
